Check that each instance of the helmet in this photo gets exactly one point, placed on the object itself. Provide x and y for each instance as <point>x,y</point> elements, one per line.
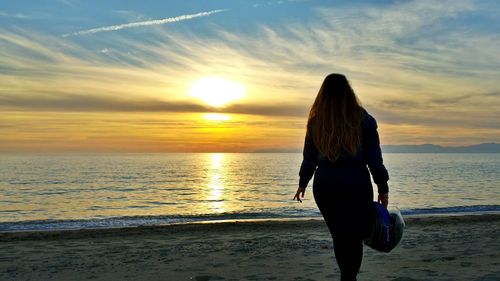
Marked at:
<point>387,228</point>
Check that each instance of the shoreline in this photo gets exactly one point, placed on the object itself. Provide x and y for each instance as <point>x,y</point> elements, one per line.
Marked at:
<point>221,225</point>
<point>46,225</point>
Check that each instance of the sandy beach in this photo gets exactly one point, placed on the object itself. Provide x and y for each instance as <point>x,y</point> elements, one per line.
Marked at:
<point>433,248</point>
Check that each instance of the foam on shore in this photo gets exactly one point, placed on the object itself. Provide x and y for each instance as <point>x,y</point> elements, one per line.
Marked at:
<point>227,225</point>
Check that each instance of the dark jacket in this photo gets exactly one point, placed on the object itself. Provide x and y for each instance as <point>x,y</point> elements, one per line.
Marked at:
<point>369,155</point>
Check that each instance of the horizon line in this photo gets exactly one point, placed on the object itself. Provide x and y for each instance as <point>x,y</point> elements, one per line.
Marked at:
<point>260,150</point>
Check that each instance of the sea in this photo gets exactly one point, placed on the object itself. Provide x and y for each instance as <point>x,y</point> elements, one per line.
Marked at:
<point>59,191</point>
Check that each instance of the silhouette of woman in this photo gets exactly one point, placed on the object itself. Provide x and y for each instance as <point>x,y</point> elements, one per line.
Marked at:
<point>341,144</point>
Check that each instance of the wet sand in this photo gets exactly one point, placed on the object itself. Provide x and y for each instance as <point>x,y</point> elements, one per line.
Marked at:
<point>433,248</point>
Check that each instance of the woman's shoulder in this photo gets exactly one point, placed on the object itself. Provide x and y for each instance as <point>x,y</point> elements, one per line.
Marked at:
<point>369,121</point>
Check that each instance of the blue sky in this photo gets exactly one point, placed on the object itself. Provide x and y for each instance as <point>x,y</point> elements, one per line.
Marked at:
<point>427,70</point>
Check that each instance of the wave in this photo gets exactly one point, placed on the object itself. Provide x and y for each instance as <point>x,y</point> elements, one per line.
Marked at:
<point>136,221</point>
<point>452,210</point>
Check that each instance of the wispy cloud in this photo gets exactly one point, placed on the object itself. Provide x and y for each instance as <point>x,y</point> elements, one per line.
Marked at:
<point>278,2</point>
<point>143,23</point>
<point>17,16</point>
<point>68,2</point>
<point>91,103</point>
<point>420,70</point>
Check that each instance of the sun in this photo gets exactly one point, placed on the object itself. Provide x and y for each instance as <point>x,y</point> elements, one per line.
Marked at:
<point>216,117</point>
<point>217,91</point>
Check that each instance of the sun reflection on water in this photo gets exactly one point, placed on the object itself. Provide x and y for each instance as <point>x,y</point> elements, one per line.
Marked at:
<point>216,184</point>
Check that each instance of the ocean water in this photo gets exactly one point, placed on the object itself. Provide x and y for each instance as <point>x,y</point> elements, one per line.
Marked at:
<point>72,191</point>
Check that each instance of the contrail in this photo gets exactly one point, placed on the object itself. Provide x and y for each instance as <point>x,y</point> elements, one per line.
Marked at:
<point>143,23</point>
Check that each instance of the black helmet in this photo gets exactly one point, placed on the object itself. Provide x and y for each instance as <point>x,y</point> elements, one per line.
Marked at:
<point>387,229</point>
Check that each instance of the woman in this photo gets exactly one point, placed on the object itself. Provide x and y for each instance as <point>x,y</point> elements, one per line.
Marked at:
<point>341,144</point>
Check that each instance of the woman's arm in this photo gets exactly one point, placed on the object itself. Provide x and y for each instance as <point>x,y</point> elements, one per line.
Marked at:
<point>373,156</point>
<point>307,168</point>
<point>309,162</point>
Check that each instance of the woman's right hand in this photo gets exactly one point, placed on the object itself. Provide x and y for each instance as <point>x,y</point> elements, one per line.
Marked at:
<point>383,199</point>
<point>300,193</point>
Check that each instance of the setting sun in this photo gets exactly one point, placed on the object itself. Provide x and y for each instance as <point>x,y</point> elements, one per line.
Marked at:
<point>216,117</point>
<point>216,91</point>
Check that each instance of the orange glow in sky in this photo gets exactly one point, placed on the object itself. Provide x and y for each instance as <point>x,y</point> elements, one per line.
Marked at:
<point>234,76</point>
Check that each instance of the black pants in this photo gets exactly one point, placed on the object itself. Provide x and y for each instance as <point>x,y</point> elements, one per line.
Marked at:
<point>344,196</point>
<point>349,254</point>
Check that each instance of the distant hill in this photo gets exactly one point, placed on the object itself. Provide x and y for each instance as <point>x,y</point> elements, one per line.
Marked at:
<point>431,148</point>
<point>422,148</point>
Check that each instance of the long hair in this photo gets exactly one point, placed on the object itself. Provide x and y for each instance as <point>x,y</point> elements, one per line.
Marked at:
<point>335,118</point>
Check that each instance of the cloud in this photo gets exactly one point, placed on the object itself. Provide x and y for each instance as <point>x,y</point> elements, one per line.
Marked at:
<point>17,16</point>
<point>143,23</point>
<point>449,118</point>
<point>278,2</point>
<point>131,15</point>
<point>292,110</point>
<point>413,63</point>
<point>68,2</point>
<point>89,103</point>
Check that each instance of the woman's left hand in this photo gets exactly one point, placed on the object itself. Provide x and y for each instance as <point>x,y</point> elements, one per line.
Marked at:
<point>383,199</point>
<point>300,193</point>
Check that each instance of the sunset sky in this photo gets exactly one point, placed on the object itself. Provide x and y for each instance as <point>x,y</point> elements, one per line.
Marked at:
<point>240,75</point>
